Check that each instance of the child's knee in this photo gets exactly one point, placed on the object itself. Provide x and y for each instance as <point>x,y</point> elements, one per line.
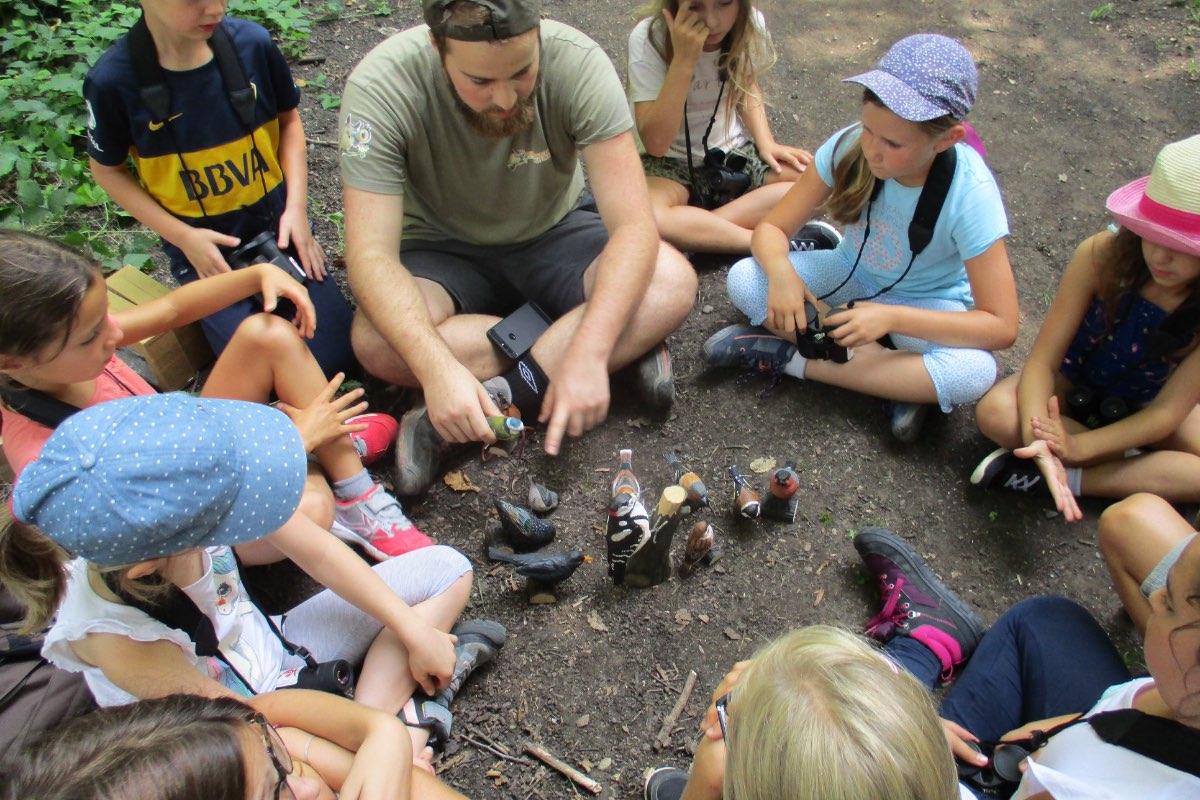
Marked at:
<point>1119,527</point>
<point>268,331</point>
<point>316,503</point>
<point>997,413</point>
<point>747,288</point>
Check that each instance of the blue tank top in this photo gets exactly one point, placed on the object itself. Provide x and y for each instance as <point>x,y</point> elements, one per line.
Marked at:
<point>1114,362</point>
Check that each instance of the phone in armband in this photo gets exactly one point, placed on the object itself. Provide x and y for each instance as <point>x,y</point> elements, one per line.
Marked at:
<point>517,332</point>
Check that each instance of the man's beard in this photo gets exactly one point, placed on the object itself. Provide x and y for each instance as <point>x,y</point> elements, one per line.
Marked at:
<point>523,113</point>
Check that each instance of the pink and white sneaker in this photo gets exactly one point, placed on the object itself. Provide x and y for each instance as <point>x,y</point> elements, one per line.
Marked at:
<point>377,523</point>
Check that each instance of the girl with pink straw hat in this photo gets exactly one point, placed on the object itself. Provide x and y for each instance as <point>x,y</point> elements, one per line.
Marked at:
<point>1106,404</point>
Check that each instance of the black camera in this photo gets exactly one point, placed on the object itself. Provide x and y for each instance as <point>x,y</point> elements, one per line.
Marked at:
<point>334,677</point>
<point>264,249</point>
<point>721,178</point>
<point>1086,406</point>
<point>1002,774</point>
<point>817,342</point>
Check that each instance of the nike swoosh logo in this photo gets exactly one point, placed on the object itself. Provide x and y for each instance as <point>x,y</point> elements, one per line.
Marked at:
<point>154,126</point>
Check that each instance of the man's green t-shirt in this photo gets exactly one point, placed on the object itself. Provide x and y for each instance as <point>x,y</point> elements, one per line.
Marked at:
<point>402,133</point>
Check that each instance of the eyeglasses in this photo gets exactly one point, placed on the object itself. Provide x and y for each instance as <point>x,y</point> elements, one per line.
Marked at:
<point>722,714</point>
<point>280,758</point>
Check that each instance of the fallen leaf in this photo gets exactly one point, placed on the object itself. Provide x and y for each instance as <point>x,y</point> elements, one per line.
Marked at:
<point>682,617</point>
<point>763,465</point>
<point>583,721</point>
<point>819,598</point>
<point>703,618</point>
<point>459,482</point>
<point>605,764</point>
<point>1062,177</point>
<point>732,635</point>
<point>596,623</point>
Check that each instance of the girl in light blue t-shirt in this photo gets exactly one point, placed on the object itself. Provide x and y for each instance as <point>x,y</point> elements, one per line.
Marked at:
<point>945,308</point>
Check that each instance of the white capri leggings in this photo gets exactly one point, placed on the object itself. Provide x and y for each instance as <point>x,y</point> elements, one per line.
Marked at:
<point>959,374</point>
<point>332,628</point>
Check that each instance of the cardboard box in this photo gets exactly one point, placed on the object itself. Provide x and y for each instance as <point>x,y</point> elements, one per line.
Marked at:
<point>175,356</point>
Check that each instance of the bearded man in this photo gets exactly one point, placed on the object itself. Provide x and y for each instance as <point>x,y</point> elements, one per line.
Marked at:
<point>461,144</point>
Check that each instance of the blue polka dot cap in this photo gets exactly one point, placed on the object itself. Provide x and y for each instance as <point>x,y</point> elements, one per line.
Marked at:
<point>923,77</point>
<point>146,477</point>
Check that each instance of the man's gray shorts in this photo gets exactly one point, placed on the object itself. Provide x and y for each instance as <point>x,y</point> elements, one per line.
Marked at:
<point>1157,578</point>
<point>497,279</point>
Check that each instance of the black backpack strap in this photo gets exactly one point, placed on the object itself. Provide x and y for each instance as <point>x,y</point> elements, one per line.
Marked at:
<point>1166,741</point>
<point>172,607</point>
<point>242,95</point>
<point>933,197</point>
<point>152,79</point>
<point>37,405</point>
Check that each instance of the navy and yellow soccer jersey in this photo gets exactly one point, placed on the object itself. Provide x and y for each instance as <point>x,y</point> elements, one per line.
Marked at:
<point>199,163</point>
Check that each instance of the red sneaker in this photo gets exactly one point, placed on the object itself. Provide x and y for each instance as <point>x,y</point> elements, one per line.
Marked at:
<point>373,443</point>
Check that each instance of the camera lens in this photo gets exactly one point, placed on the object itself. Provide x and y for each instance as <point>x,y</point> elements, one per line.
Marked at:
<point>1006,761</point>
<point>1080,402</point>
<point>1113,409</point>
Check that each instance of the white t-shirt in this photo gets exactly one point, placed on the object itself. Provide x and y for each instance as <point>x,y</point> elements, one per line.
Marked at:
<point>1078,765</point>
<point>241,629</point>
<point>648,70</point>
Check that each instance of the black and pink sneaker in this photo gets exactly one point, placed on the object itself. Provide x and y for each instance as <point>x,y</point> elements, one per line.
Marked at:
<point>915,602</point>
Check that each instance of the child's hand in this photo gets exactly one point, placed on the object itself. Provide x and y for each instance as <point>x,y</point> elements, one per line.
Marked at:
<point>958,736</point>
<point>379,770</point>
<point>786,296</point>
<point>276,284</point>
<point>688,33</point>
<point>861,325</point>
<point>710,725</point>
<point>1051,430</point>
<point>1055,476</point>
<point>431,658</point>
<point>294,229</point>
<point>794,157</point>
<point>199,245</point>
<point>324,419</point>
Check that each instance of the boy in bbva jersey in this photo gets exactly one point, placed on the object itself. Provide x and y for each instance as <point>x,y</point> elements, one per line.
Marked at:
<point>202,179</point>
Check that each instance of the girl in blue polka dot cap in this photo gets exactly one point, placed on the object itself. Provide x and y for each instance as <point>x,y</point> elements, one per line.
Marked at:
<point>149,494</point>
<point>917,305</point>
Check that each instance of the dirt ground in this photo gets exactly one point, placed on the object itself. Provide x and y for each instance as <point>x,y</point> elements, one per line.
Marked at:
<point>1069,109</point>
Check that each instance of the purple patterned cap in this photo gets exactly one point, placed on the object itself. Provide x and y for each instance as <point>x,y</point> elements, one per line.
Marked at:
<point>924,76</point>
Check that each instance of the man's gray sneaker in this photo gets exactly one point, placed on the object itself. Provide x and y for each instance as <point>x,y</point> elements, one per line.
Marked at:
<point>418,452</point>
<point>654,377</point>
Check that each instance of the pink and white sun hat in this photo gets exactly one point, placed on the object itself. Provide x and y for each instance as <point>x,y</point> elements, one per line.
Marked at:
<point>1164,207</point>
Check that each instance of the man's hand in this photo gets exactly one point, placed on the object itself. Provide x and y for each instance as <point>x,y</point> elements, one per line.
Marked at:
<point>294,229</point>
<point>200,248</point>
<point>459,406</point>
<point>576,401</point>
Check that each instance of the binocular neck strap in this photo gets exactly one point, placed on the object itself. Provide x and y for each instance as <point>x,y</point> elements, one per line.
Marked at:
<point>687,130</point>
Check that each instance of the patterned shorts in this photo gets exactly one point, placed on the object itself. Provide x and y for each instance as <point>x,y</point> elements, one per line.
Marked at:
<point>676,169</point>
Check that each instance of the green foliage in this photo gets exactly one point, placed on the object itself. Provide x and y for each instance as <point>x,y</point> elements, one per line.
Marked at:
<point>1101,12</point>
<point>46,49</point>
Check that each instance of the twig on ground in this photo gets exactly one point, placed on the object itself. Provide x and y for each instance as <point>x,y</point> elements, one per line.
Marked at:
<point>664,733</point>
<point>324,142</point>
<point>543,755</point>
<point>497,753</point>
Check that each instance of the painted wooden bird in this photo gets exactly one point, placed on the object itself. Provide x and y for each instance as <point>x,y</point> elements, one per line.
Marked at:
<point>692,483</point>
<point>628,531</point>
<point>542,499</point>
<point>523,529</point>
<point>699,543</point>
<point>746,499</point>
<point>546,568</point>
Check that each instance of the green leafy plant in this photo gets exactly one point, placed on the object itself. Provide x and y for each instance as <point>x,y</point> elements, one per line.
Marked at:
<point>46,49</point>
<point>1101,12</point>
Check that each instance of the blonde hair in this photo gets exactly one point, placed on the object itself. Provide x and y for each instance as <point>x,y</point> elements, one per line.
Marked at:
<point>853,181</point>
<point>34,568</point>
<point>820,714</point>
<point>747,49</point>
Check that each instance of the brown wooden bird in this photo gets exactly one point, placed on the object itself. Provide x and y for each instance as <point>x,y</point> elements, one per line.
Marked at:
<point>746,500</point>
<point>699,543</point>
